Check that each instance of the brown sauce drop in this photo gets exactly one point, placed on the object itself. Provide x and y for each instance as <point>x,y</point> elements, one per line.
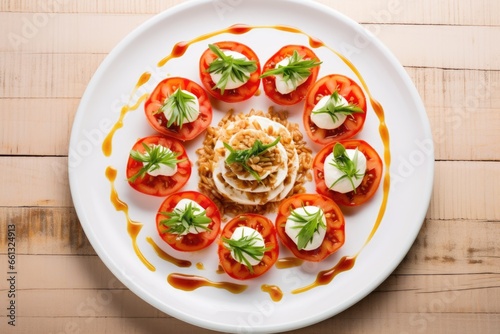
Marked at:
<point>288,262</point>
<point>200,266</point>
<point>315,43</point>
<point>133,228</point>
<point>142,80</point>
<point>220,270</point>
<point>193,282</point>
<point>239,29</point>
<point>274,292</point>
<point>326,276</point>
<point>167,257</point>
<point>179,49</point>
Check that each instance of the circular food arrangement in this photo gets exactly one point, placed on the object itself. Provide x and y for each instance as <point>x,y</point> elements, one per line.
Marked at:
<point>253,166</point>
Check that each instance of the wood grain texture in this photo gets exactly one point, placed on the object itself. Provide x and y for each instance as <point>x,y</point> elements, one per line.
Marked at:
<point>34,181</point>
<point>440,275</point>
<point>48,186</point>
<point>445,12</point>
<point>443,247</point>
<point>460,104</point>
<point>447,283</point>
<point>413,45</point>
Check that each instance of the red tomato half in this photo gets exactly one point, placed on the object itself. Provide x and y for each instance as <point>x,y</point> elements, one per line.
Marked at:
<point>158,120</point>
<point>159,185</point>
<point>370,182</point>
<point>239,94</point>
<point>351,91</point>
<point>335,225</point>
<point>262,225</point>
<point>191,241</point>
<point>270,82</point>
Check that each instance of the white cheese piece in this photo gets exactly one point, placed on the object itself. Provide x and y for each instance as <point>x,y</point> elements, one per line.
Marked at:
<point>243,197</point>
<point>292,171</point>
<point>182,205</point>
<point>286,86</point>
<point>292,230</point>
<point>190,116</point>
<point>231,83</point>
<point>164,169</point>
<point>332,173</point>
<point>324,120</point>
<point>245,231</point>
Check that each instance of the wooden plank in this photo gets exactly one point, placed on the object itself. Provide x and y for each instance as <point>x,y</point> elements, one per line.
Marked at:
<point>443,247</point>
<point>441,275</point>
<point>90,324</point>
<point>46,179</point>
<point>34,181</point>
<point>436,300</point>
<point>410,43</point>
<point>464,12</point>
<point>456,294</point>
<point>39,230</point>
<point>36,126</point>
<point>27,75</point>
<point>419,322</point>
<point>66,33</point>
<point>461,108</point>
<point>90,291</point>
<point>92,7</point>
<point>460,105</point>
<point>464,190</point>
<point>454,246</point>
<point>447,283</point>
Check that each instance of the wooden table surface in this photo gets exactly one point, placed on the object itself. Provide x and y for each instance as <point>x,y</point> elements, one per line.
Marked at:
<point>448,283</point>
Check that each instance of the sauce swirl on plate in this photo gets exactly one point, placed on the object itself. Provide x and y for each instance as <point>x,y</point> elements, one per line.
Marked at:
<point>133,227</point>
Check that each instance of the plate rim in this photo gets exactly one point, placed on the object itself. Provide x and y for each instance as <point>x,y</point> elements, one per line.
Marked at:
<point>138,290</point>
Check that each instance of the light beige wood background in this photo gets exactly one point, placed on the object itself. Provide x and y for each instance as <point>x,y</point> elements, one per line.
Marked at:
<point>448,283</point>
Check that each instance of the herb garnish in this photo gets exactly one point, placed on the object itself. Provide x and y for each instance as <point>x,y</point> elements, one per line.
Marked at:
<point>308,225</point>
<point>334,107</point>
<point>180,107</point>
<point>295,71</point>
<point>246,245</point>
<point>180,221</point>
<point>152,157</point>
<point>242,156</point>
<point>343,163</point>
<point>238,69</point>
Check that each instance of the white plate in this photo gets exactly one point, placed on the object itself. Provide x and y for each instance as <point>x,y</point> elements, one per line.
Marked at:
<point>252,311</point>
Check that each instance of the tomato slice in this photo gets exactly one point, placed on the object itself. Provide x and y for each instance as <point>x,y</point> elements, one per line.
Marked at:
<point>368,186</point>
<point>158,121</point>
<point>269,83</point>
<point>159,185</point>
<point>262,225</point>
<point>351,91</point>
<point>191,241</point>
<point>239,94</point>
<point>335,225</point>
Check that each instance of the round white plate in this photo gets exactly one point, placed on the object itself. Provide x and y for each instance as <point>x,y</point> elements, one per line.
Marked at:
<point>253,310</point>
